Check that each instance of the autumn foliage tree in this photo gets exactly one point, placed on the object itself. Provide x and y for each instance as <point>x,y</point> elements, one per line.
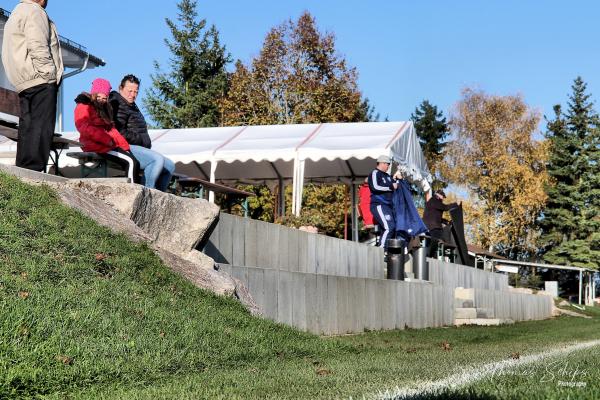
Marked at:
<point>495,158</point>
<point>298,77</point>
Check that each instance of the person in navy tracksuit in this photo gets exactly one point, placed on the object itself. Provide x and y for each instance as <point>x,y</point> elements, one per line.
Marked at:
<point>382,188</point>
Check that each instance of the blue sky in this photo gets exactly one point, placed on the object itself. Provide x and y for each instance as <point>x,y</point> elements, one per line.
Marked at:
<point>404,51</point>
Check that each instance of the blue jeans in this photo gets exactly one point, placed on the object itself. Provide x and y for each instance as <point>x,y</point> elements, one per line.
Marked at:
<point>157,168</point>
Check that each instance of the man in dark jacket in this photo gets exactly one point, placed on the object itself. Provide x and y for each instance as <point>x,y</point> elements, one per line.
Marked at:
<point>130,122</point>
<point>382,187</point>
<point>432,216</point>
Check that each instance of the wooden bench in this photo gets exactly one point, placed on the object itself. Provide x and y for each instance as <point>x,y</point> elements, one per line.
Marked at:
<point>59,143</point>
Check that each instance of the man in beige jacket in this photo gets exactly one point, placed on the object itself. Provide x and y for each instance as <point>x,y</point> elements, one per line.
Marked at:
<point>33,63</point>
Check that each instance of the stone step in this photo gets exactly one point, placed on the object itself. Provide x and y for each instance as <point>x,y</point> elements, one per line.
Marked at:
<point>465,313</point>
<point>463,303</point>
<point>485,313</point>
<point>472,312</point>
<point>466,294</point>
<point>482,321</point>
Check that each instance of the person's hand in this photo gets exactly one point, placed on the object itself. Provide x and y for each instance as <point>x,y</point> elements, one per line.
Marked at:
<point>397,175</point>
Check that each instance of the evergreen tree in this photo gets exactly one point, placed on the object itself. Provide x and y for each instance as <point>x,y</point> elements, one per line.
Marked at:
<point>187,96</point>
<point>432,129</point>
<point>571,218</point>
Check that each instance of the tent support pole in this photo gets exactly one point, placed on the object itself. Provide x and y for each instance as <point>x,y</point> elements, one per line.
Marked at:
<point>354,214</point>
<point>294,186</point>
<point>281,205</point>
<point>213,173</point>
<point>580,284</point>
<point>353,199</point>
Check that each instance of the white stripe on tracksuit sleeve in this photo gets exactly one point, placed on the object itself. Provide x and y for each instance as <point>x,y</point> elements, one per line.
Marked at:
<point>376,186</point>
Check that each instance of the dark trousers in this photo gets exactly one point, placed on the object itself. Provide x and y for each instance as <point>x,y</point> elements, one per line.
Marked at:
<point>437,235</point>
<point>384,216</point>
<point>36,126</point>
<point>127,161</point>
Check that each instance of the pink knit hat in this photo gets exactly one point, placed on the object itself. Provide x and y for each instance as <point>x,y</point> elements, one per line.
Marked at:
<point>101,86</point>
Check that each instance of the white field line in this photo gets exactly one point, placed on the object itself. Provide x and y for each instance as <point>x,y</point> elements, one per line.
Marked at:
<point>474,374</point>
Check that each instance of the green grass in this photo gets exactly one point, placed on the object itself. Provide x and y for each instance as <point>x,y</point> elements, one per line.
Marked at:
<point>85,313</point>
<point>573,376</point>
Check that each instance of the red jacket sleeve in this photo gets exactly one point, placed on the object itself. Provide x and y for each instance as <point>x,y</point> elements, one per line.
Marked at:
<point>119,140</point>
<point>87,131</point>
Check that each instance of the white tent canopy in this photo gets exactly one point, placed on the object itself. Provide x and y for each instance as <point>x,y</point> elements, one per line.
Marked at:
<point>275,154</point>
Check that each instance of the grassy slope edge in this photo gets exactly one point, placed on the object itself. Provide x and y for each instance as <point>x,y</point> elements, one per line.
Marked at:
<point>85,313</point>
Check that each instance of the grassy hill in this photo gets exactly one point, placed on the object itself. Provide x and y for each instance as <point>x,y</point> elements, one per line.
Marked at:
<point>85,313</point>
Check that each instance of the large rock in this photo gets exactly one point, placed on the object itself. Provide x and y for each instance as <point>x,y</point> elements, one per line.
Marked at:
<point>174,223</point>
<point>210,279</point>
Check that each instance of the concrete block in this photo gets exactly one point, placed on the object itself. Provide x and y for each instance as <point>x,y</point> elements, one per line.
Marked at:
<point>358,303</point>
<point>437,305</point>
<point>311,303</point>
<point>226,238</point>
<point>427,305</point>
<point>405,302</point>
<point>284,298</point>
<point>238,242</point>
<point>462,303</point>
<point>293,249</point>
<point>389,305</point>
<point>485,313</point>
<point>363,261</point>
<point>449,305</point>
<point>273,252</point>
<point>256,280</point>
<point>415,306</point>
<point>323,305</point>
<point>251,244</point>
<point>270,293</point>
<point>299,301</point>
<point>343,323</point>
<point>311,253</point>
<point>332,255</point>
<point>303,252</point>
<point>465,313</point>
<point>371,289</point>
<point>320,257</point>
<point>283,248</point>
<point>344,255</point>
<point>332,298</point>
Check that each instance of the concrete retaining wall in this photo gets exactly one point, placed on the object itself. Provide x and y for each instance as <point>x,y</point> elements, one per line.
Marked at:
<point>516,306</point>
<point>334,305</point>
<point>247,242</point>
<point>330,286</point>
<point>456,275</point>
